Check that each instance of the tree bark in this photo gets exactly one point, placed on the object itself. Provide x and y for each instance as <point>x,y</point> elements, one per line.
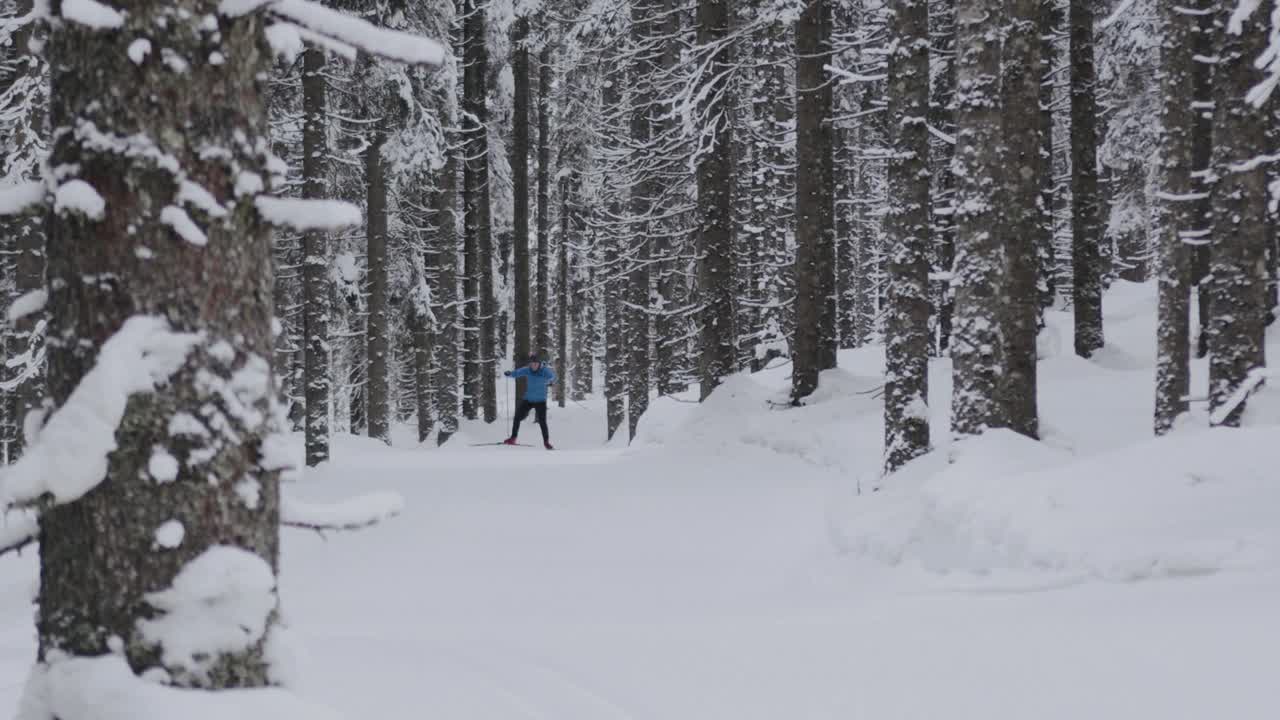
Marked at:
<point>99,559</point>
<point>1023,228</point>
<point>1177,220</point>
<point>814,268</point>
<point>568,371</point>
<point>643,69</point>
<point>670,322</point>
<point>906,393</point>
<point>1202,142</point>
<point>978,344</point>
<point>542,317</point>
<point>315,261</point>
<point>715,206</point>
<point>376,259</point>
<point>1238,263</point>
<point>476,199</point>
<point>520,181</point>
<point>1086,226</point>
<point>615,316</point>
<point>942,115</point>
<point>1050,22</point>
<point>445,262</point>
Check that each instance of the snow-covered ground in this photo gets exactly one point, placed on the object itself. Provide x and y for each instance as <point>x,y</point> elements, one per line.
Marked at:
<point>743,562</point>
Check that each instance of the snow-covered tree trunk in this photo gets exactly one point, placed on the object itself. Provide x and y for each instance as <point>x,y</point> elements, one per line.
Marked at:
<point>1050,20</point>
<point>670,321</point>
<point>542,312</point>
<point>376,337</point>
<point>1022,221</point>
<point>906,395</point>
<point>978,342</point>
<point>1086,225</point>
<point>1202,144</point>
<point>612,237</point>
<point>520,181</point>
<point>568,370</point>
<point>445,292</point>
<point>642,71</point>
<point>1177,221</point>
<point>942,21</point>
<point>478,257</point>
<point>154,185</point>
<point>1238,264</point>
<point>316,260</point>
<point>814,271</point>
<point>715,201</point>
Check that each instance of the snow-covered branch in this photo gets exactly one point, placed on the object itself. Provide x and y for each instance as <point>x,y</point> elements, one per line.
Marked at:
<point>140,356</point>
<point>355,513</point>
<point>1252,382</point>
<point>308,214</point>
<point>345,29</point>
<point>19,198</point>
<point>17,530</point>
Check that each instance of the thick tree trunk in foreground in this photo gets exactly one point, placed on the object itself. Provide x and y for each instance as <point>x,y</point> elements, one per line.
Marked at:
<point>379,349</point>
<point>1022,218</point>
<point>1086,226</point>
<point>1238,263</point>
<point>315,260</point>
<point>1177,65</point>
<point>715,207</point>
<point>978,343</point>
<point>99,554</point>
<point>906,394</point>
<point>814,272</point>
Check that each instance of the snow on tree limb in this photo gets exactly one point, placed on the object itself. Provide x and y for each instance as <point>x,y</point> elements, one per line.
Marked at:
<point>92,13</point>
<point>30,303</point>
<point>19,198</point>
<point>141,355</point>
<point>17,530</point>
<point>345,29</point>
<point>1242,393</point>
<point>308,214</point>
<point>354,513</point>
<point>83,688</point>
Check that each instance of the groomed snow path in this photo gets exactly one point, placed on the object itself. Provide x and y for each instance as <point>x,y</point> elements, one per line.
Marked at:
<point>706,574</point>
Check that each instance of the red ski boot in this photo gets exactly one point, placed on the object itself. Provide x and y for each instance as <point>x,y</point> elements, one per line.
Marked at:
<point>510,441</point>
<point>548,446</point>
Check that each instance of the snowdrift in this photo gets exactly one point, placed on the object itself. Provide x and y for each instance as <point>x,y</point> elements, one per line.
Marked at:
<point>1096,497</point>
<point>1193,502</point>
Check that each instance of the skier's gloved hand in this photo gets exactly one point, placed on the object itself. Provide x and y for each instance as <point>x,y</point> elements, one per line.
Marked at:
<point>507,373</point>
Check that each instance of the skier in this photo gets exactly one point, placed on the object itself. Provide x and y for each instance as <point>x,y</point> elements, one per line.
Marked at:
<point>538,376</point>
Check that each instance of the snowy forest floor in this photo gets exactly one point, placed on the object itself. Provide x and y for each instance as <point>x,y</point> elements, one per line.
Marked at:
<point>726,566</point>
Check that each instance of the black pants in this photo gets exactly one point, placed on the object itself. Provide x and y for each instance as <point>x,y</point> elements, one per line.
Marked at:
<point>540,411</point>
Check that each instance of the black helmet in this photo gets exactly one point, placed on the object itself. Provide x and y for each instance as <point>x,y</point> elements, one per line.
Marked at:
<point>533,358</point>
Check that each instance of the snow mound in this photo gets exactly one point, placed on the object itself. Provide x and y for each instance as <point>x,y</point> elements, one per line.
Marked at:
<point>1193,502</point>
<point>103,688</point>
<point>219,603</point>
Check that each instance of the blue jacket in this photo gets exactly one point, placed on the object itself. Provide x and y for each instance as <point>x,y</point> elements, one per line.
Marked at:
<point>536,389</point>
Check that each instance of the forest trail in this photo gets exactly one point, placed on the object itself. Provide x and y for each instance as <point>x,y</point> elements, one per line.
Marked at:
<point>711,571</point>
<point>601,584</point>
